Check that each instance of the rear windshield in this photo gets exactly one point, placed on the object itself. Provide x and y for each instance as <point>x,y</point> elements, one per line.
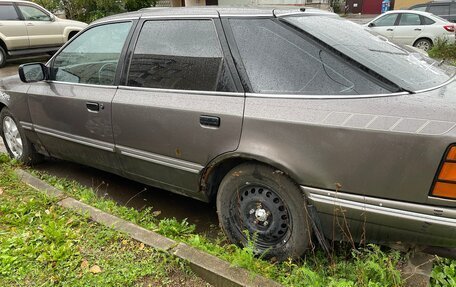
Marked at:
<point>410,71</point>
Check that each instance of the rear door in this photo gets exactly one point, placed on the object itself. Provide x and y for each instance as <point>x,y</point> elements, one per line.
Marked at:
<point>180,107</point>
<point>71,113</point>
<point>41,28</point>
<point>12,28</point>
<point>408,29</point>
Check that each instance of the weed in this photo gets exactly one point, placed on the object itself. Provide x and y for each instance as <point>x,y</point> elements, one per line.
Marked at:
<point>444,273</point>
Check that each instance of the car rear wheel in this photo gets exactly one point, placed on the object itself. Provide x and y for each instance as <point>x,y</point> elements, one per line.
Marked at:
<point>261,206</point>
<point>423,44</point>
<point>2,57</point>
<point>17,145</point>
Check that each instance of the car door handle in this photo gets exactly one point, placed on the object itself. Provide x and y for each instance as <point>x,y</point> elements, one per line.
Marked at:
<point>210,121</point>
<point>94,107</point>
<point>417,29</point>
<point>30,24</point>
<point>389,29</point>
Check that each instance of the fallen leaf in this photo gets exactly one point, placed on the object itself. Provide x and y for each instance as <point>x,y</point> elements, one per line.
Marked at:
<point>124,242</point>
<point>84,264</point>
<point>1,191</point>
<point>156,213</point>
<point>95,269</point>
<point>141,246</point>
<point>47,211</point>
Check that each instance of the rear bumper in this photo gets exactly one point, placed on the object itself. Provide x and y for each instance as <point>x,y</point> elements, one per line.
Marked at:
<point>381,220</point>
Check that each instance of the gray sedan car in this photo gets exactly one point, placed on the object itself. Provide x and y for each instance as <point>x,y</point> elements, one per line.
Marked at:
<point>298,124</point>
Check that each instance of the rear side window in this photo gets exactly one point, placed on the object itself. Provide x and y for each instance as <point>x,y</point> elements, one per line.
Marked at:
<point>427,21</point>
<point>408,19</point>
<point>281,61</point>
<point>8,12</point>
<point>33,14</point>
<point>439,9</point>
<point>179,54</point>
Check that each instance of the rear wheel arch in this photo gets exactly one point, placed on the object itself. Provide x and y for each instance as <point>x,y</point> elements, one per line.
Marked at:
<point>423,38</point>
<point>218,168</point>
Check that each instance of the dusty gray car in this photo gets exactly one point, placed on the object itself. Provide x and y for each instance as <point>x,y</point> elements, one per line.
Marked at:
<point>295,122</point>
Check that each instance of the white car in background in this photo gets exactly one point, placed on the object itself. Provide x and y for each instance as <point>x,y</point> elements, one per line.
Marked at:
<point>416,28</point>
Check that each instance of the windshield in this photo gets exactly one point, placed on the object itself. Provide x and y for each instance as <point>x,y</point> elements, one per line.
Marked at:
<point>410,71</point>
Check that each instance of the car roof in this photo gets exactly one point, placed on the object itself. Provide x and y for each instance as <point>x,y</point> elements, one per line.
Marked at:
<point>215,12</point>
<point>410,11</point>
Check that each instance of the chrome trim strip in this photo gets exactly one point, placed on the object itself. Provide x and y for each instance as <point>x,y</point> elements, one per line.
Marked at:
<point>26,126</point>
<point>181,16</point>
<point>438,86</point>
<point>76,139</point>
<point>160,159</point>
<point>285,96</point>
<point>113,20</point>
<point>193,92</point>
<point>264,15</point>
<point>309,12</point>
<point>82,85</point>
<point>410,211</point>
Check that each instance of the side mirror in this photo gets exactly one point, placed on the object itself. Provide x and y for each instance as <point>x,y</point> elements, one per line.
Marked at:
<point>35,72</point>
<point>371,24</point>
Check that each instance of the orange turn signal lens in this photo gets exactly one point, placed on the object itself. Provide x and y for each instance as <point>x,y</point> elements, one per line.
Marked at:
<point>451,154</point>
<point>444,189</point>
<point>448,172</point>
<point>445,183</point>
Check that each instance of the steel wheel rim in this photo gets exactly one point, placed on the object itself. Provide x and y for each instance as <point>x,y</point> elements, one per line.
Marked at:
<point>12,137</point>
<point>262,212</point>
<point>423,45</point>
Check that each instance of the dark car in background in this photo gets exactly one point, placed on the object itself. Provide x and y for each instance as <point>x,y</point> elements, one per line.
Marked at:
<point>444,9</point>
<point>294,122</point>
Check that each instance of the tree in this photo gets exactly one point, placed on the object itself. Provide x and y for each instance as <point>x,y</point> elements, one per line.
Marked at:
<point>90,10</point>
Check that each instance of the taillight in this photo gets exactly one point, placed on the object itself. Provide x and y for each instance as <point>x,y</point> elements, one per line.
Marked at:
<point>445,182</point>
<point>449,28</point>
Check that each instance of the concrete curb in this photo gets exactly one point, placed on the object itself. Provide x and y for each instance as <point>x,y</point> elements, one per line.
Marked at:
<point>212,269</point>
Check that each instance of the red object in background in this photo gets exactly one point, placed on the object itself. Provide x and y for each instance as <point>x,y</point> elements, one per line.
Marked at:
<point>372,7</point>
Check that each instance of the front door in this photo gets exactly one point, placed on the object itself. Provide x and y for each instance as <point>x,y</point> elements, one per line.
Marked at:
<point>71,113</point>
<point>179,108</point>
<point>41,28</point>
<point>385,25</point>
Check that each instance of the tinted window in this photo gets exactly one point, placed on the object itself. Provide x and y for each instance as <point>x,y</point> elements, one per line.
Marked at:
<point>439,9</point>
<point>33,14</point>
<point>7,12</point>
<point>419,8</point>
<point>279,60</point>
<point>427,21</point>
<point>408,19</point>
<point>93,56</point>
<point>387,20</point>
<point>411,71</point>
<point>179,54</point>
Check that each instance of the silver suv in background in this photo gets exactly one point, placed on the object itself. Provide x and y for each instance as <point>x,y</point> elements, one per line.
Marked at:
<point>445,9</point>
<point>27,28</point>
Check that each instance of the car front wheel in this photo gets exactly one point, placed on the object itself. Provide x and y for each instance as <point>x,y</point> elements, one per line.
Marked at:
<point>17,145</point>
<point>261,207</point>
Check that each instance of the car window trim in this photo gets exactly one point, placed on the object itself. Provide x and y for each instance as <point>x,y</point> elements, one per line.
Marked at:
<point>221,37</point>
<point>180,91</point>
<point>34,6</point>
<point>122,56</point>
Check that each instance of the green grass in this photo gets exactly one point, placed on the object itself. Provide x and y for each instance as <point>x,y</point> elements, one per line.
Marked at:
<point>368,266</point>
<point>443,50</point>
<point>444,273</point>
<point>42,244</point>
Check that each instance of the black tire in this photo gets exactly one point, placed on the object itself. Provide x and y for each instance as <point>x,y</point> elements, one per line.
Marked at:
<point>2,57</point>
<point>28,155</point>
<point>269,205</point>
<point>423,44</point>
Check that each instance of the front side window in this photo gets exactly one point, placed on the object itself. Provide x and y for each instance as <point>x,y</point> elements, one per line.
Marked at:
<point>33,14</point>
<point>179,54</point>
<point>93,56</point>
<point>280,61</point>
<point>387,20</point>
<point>408,19</point>
<point>419,8</point>
<point>8,12</point>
